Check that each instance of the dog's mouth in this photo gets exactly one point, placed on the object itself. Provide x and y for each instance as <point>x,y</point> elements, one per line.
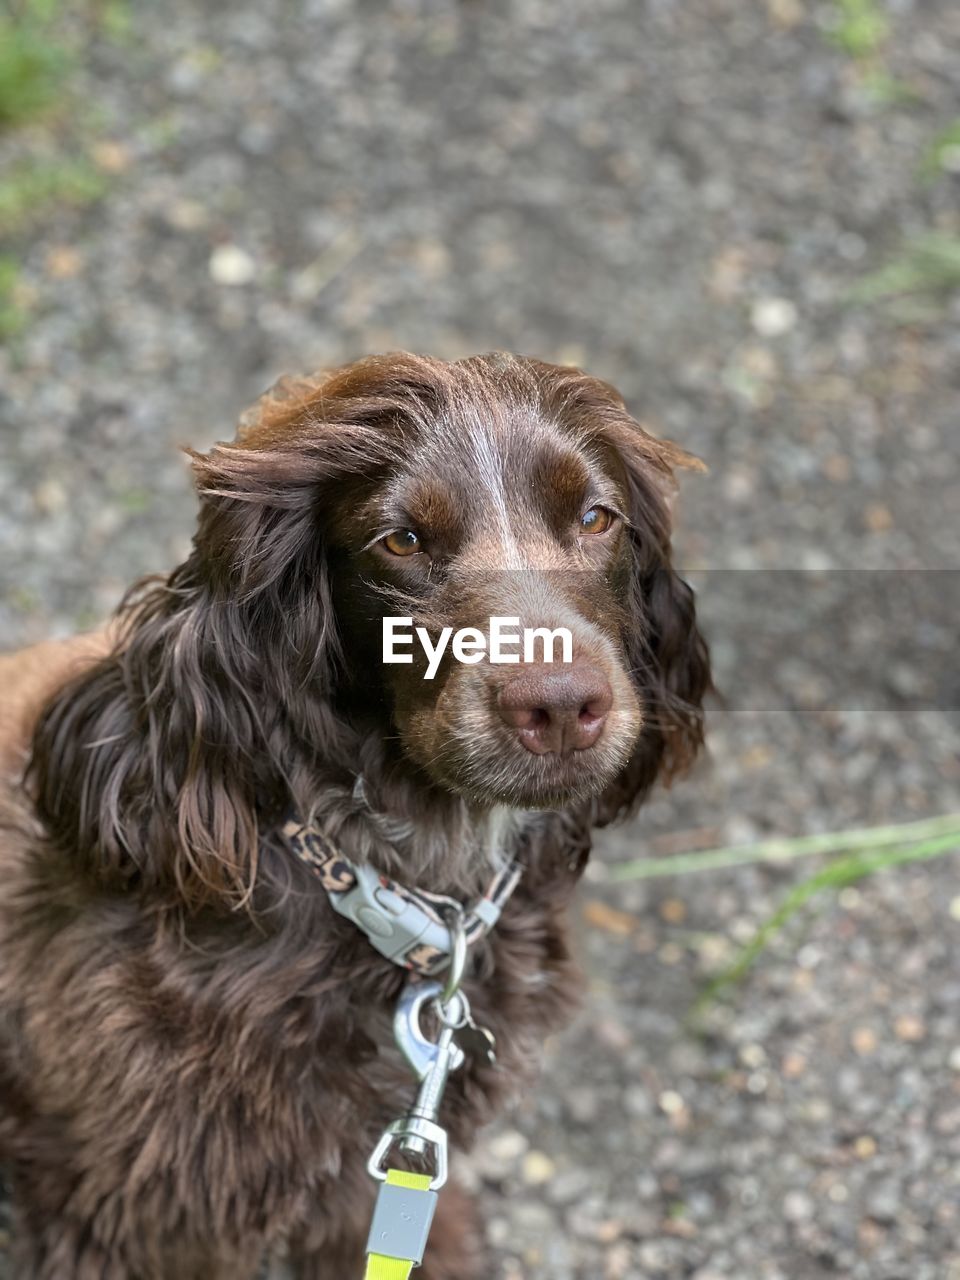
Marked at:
<point>488,778</point>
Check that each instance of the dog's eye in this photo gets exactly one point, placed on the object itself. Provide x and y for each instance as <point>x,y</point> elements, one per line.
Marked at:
<point>402,542</point>
<point>596,520</point>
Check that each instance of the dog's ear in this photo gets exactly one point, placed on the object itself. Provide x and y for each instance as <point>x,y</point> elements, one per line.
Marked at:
<point>153,768</point>
<point>668,656</point>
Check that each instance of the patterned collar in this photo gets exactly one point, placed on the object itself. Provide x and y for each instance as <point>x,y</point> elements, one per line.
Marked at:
<point>409,926</point>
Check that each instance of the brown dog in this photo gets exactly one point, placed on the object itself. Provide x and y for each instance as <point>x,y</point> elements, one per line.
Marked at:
<point>195,1049</point>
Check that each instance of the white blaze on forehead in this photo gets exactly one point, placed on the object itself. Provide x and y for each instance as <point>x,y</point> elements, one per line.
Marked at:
<point>490,475</point>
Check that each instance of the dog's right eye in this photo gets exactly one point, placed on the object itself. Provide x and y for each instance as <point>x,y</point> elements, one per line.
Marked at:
<point>402,542</point>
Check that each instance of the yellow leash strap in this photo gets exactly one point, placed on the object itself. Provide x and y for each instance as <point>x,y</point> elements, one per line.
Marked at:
<point>414,1201</point>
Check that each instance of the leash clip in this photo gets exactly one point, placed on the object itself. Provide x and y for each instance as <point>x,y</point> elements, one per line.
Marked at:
<point>418,1132</point>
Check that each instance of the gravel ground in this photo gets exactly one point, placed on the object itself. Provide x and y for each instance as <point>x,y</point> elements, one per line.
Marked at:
<point>681,198</point>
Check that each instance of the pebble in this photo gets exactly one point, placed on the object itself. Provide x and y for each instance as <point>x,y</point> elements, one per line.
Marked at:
<point>583,1105</point>
<point>231,265</point>
<point>568,1185</point>
<point>793,1065</point>
<point>508,1145</point>
<point>673,910</point>
<point>798,1206</point>
<point>864,1041</point>
<point>883,1204</point>
<point>773,317</point>
<point>537,1168</point>
<point>910,1028</point>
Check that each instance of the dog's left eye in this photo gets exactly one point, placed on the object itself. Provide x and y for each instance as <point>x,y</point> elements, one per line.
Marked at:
<point>402,542</point>
<point>596,520</point>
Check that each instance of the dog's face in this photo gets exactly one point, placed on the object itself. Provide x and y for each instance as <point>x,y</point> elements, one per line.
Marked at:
<point>496,511</point>
<point>453,494</point>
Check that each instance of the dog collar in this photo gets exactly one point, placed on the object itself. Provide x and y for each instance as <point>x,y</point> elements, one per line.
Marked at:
<point>411,927</point>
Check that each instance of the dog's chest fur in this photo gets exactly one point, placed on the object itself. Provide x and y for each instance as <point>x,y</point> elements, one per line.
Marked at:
<point>230,1076</point>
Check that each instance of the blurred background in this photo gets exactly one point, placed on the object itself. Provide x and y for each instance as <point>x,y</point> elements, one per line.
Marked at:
<point>743,213</point>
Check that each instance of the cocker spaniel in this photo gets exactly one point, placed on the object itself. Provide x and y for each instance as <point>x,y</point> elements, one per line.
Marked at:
<point>196,1056</point>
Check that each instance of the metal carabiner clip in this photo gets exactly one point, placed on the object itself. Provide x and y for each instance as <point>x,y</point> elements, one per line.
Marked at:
<point>458,957</point>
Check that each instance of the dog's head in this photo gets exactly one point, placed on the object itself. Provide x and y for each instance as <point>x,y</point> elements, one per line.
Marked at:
<point>450,494</point>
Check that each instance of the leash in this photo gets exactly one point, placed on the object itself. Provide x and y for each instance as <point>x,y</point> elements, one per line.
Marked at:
<point>424,933</point>
<point>406,1201</point>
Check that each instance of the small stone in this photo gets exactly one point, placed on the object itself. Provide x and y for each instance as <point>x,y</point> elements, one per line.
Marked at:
<point>955,908</point>
<point>793,1065</point>
<point>636,1101</point>
<point>601,916</point>
<point>110,157</point>
<point>671,1103</point>
<point>837,468</point>
<point>617,1264</point>
<point>673,910</point>
<point>759,362</point>
<point>869,1235</point>
<point>571,354</point>
<point>757,757</point>
<point>532,1217</point>
<point>612,1033</point>
<point>644,941</point>
<point>954,1059</point>
<point>877,517</point>
<point>727,273</point>
<point>185,215</point>
<point>809,956</point>
<point>786,13</point>
<point>570,1185</point>
<point>508,1146</point>
<point>654,1256</point>
<point>670,953</point>
<point>433,258</point>
<point>231,265</point>
<point>798,1206</point>
<point>883,1205</point>
<point>910,1028</point>
<point>753,1056</point>
<point>773,317</point>
<point>63,262</point>
<point>864,1041</point>
<point>583,1105</point>
<point>499,1232</point>
<point>50,496</point>
<point>865,1147</point>
<point>537,1169</point>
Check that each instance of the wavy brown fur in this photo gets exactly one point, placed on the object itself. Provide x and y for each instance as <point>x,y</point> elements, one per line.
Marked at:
<point>195,1056</point>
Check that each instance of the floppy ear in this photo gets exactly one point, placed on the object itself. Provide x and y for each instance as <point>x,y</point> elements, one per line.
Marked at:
<point>152,767</point>
<point>668,656</point>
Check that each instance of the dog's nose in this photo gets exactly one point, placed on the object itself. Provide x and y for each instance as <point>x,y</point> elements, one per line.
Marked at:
<point>556,712</point>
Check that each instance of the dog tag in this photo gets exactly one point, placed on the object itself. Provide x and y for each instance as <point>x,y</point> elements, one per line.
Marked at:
<point>477,1042</point>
